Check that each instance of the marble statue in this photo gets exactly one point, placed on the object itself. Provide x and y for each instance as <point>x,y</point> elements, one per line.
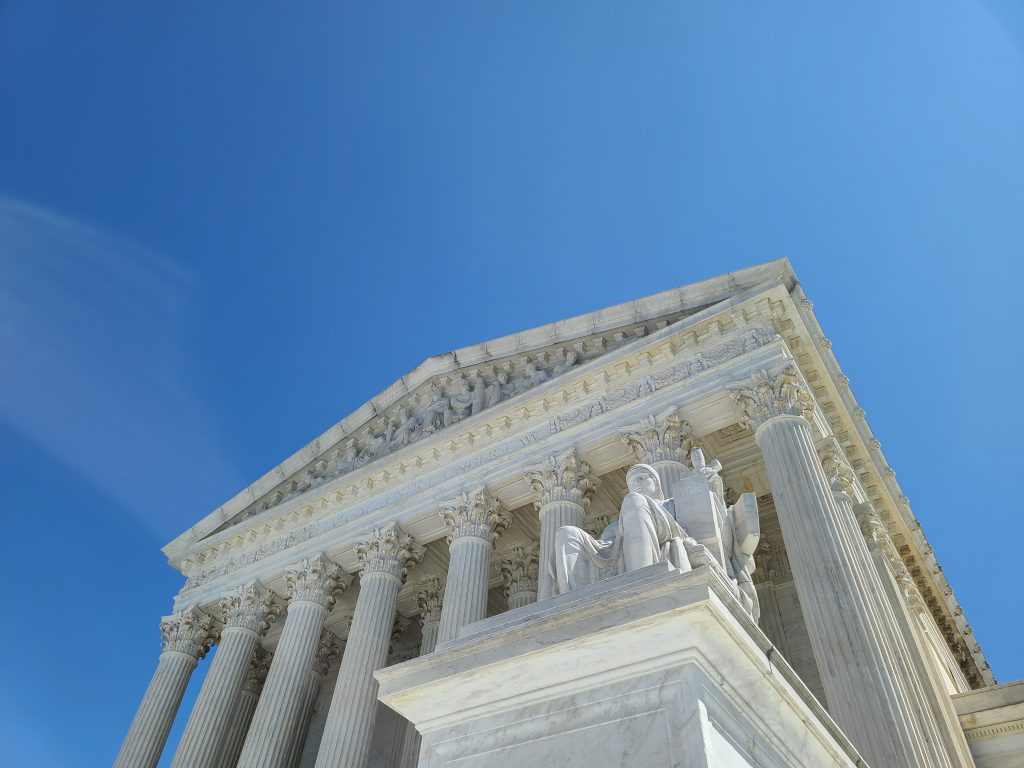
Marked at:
<point>438,412</point>
<point>497,390</point>
<point>645,533</point>
<point>404,428</point>
<point>570,360</point>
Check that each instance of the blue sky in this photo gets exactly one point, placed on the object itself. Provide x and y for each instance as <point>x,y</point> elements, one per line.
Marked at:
<point>224,226</point>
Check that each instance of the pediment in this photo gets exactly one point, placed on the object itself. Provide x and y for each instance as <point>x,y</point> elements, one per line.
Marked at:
<point>448,388</point>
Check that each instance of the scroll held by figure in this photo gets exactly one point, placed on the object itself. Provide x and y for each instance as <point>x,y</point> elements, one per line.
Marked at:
<point>652,528</point>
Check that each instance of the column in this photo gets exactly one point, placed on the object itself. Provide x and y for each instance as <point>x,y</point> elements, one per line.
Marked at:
<point>386,557</point>
<point>475,521</point>
<point>862,682</point>
<point>187,636</point>
<point>247,613</point>
<point>245,706</point>
<point>327,651</point>
<point>565,485</point>
<point>519,570</point>
<point>429,598</point>
<point>911,610</point>
<point>314,585</point>
<point>664,441</point>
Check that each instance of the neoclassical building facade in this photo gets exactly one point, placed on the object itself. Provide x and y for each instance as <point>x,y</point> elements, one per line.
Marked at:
<point>444,576</point>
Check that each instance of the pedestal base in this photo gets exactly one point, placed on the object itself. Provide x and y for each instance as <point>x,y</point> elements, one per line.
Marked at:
<point>651,668</point>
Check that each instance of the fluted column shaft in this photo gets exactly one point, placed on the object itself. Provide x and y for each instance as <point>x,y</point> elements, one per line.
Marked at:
<point>349,728</point>
<point>245,706</point>
<point>328,650</point>
<point>429,598</point>
<point>862,683</point>
<point>187,636</point>
<point>247,613</point>
<point>275,722</point>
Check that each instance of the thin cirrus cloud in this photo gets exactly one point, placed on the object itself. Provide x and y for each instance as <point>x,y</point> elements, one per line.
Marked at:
<point>92,338</point>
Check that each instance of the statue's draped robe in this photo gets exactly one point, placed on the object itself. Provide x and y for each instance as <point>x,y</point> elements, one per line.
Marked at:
<point>645,533</point>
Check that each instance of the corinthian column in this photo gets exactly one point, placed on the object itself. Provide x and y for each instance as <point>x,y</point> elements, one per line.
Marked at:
<point>565,486</point>
<point>475,521</point>
<point>429,599</point>
<point>664,441</point>
<point>187,636</point>
<point>386,557</point>
<point>839,591</point>
<point>247,613</point>
<point>314,585</point>
<point>245,705</point>
<point>519,570</point>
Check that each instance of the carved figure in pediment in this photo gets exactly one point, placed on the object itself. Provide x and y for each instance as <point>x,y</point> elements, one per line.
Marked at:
<point>570,360</point>
<point>376,443</point>
<point>532,376</point>
<point>405,427</point>
<point>437,413</point>
<point>645,533</point>
<point>461,402</point>
<point>479,391</point>
<point>347,458</point>
<point>497,390</point>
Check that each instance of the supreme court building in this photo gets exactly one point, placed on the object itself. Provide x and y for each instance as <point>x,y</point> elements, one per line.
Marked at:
<point>658,534</point>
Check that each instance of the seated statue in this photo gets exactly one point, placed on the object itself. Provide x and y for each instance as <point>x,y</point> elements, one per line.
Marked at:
<point>645,533</point>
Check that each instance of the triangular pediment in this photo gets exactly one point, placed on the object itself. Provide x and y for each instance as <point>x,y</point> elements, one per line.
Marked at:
<point>446,389</point>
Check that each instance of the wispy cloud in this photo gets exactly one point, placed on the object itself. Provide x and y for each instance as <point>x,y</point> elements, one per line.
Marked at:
<point>93,364</point>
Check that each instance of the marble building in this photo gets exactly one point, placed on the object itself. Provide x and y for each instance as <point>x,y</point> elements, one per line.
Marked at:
<point>657,534</point>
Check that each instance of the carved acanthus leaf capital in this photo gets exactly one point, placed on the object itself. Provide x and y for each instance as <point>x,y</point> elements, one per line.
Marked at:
<point>190,631</point>
<point>476,514</point>
<point>519,569</point>
<point>251,607</point>
<point>256,674</point>
<point>429,596</point>
<point>389,550</point>
<point>771,394</point>
<point>661,437</point>
<point>563,478</point>
<point>317,580</point>
<point>327,650</point>
<point>837,468</point>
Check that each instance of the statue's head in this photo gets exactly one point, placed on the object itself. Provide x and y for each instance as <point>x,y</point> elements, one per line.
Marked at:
<point>641,478</point>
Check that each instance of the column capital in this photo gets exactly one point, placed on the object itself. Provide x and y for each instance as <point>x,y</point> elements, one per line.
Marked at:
<point>771,394</point>
<point>252,607</point>
<point>428,597</point>
<point>316,580</point>
<point>564,477</point>
<point>837,467</point>
<point>328,648</point>
<point>878,540</point>
<point>661,437</point>
<point>256,674</point>
<point>389,550</point>
<point>519,569</point>
<point>475,514</point>
<point>189,631</point>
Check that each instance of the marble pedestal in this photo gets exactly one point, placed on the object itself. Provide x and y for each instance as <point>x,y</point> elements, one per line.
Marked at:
<point>654,667</point>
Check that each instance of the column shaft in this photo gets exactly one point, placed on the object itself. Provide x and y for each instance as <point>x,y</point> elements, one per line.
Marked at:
<point>553,516</point>
<point>241,718</point>
<point>469,572</point>
<point>208,724</point>
<point>862,682</point>
<point>148,732</point>
<point>349,727</point>
<point>280,706</point>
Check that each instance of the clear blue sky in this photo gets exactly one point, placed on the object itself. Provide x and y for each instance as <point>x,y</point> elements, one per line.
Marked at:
<point>225,225</point>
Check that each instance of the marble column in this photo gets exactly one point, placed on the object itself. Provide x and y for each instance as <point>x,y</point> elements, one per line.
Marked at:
<point>314,585</point>
<point>386,557</point>
<point>429,598</point>
<point>866,694</point>
<point>328,650</point>
<point>565,486</point>
<point>187,636</point>
<point>245,706</point>
<point>247,614</point>
<point>475,520</point>
<point>664,441</point>
<point>519,570</point>
<point>910,610</point>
